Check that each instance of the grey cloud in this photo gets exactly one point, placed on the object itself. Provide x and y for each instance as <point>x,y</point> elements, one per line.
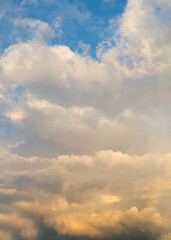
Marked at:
<point>110,194</point>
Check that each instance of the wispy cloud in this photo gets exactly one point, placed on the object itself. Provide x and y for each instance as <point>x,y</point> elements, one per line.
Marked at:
<point>29,2</point>
<point>37,28</point>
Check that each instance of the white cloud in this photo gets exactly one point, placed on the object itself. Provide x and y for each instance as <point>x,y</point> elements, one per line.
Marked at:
<point>39,29</point>
<point>82,98</point>
<point>15,116</point>
<point>84,47</point>
<point>144,38</point>
<point>57,22</point>
<point>28,2</point>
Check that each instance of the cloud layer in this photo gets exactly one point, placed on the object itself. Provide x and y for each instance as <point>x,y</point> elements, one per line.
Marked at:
<point>109,194</point>
<point>85,143</point>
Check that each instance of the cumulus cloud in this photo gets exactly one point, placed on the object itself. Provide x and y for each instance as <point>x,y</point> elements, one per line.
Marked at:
<point>109,194</point>
<point>61,112</point>
<point>111,223</point>
<point>18,226</point>
<point>86,93</point>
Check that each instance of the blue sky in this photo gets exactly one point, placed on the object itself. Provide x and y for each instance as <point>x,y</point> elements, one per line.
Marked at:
<point>86,21</point>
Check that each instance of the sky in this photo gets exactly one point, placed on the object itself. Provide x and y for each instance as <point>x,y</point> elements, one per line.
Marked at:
<point>85,120</point>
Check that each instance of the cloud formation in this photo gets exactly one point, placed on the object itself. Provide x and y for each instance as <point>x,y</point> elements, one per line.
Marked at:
<point>85,142</point>
<point>109,194</point>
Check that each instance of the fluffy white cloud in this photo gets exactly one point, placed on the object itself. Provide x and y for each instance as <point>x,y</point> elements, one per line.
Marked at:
<point>83,97</point>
